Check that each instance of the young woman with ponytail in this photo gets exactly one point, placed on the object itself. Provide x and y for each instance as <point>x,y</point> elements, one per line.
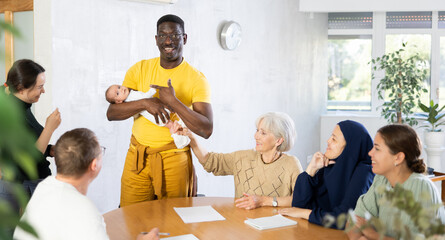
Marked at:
<point>395,160</point>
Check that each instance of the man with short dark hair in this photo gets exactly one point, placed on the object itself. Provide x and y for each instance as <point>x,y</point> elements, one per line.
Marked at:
<point>154,167</point>
<point>59,208</point>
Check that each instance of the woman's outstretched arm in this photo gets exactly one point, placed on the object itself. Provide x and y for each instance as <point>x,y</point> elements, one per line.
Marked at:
<point>200,152</point>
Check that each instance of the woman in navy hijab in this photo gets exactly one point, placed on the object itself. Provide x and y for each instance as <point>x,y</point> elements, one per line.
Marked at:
<point>334,181</point>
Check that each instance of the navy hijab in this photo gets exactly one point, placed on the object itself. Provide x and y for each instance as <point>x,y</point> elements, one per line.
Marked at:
<point>354,155</point>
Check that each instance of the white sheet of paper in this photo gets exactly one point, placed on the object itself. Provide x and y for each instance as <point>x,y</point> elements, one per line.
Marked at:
<point>270,222</point>
<point>198,214</point>
<point>182,237</point>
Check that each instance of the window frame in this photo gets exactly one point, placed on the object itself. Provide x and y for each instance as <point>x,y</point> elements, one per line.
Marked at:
<point>378,34</point>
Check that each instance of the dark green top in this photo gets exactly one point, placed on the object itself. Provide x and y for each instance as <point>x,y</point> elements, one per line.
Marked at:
<point>36,129</point>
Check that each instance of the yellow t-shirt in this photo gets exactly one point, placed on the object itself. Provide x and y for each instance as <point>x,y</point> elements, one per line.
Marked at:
<point>190,86</point>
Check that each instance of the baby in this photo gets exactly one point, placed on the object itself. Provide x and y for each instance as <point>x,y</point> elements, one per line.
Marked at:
<point>116,94</point>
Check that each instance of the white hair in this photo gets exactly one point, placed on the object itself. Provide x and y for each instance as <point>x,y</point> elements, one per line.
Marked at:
<point>281,126</point>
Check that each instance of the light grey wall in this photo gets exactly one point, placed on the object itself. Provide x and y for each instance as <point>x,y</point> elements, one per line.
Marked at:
<point>280,66</point>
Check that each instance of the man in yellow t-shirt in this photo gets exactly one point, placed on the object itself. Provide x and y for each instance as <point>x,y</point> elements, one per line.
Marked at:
<point>154,167</point>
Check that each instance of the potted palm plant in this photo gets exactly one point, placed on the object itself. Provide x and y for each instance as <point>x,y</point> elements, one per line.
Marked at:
<point>433,118</point>
<point>402,85</point>
<point>434,138</point>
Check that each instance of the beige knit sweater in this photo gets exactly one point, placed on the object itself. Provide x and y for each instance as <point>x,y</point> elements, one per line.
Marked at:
<point>253,176</point>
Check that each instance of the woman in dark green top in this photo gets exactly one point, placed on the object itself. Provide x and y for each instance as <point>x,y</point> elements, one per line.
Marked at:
<point>25,83</point>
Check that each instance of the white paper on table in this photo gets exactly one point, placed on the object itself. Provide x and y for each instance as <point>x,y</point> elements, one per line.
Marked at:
<point>198,214</point>
<point>182,237</point>
<point>269,222</point>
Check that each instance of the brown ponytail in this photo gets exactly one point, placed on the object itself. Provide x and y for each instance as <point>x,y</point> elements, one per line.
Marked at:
<point>403,138</point>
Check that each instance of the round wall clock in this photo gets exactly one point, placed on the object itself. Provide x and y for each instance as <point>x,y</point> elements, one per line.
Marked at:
<point>230,35</point>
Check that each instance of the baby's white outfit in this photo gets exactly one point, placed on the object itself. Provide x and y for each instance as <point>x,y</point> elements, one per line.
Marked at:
<point>180,140</point>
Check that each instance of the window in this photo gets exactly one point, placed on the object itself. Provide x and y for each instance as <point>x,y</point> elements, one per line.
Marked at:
<point>349,79</point>
<point>349,74</point>
<point>356,38</point>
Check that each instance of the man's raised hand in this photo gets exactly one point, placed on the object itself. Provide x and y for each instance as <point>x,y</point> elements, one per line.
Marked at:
<point>166,94</point>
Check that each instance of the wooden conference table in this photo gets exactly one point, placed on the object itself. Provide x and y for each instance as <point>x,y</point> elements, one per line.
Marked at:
<point>128,222</point>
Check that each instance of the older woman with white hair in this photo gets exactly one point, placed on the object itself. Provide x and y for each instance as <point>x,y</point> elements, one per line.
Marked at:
<point>261,174</point>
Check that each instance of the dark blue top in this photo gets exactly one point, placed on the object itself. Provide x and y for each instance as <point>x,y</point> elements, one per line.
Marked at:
<point>335,189</point>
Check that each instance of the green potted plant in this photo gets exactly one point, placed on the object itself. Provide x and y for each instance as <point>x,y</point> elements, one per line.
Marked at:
<point>434,138</point>
<point>432,116</point>
<point>402,84</point>
<point>17,150</point>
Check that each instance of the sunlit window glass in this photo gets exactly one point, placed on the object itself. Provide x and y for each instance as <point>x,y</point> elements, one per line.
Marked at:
<point>349,74</point>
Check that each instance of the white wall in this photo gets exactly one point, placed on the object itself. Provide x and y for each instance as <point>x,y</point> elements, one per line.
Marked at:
<point>279,66</point>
